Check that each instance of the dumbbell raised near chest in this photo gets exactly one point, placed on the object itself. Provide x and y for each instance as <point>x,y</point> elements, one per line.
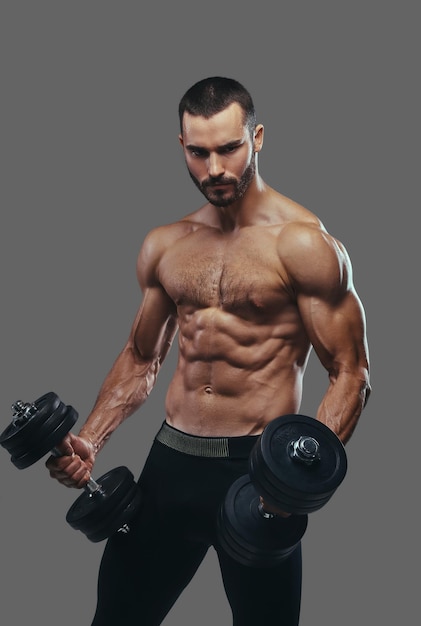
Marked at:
<point>295,466</point>
<point>106,506</point>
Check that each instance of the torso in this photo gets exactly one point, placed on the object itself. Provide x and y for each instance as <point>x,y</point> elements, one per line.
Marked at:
<point>242,346</point>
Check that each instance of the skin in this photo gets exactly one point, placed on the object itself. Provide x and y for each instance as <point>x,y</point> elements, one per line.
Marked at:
<point>252,281</point>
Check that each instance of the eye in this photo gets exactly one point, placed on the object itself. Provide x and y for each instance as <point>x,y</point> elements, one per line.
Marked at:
<point>229,149</point>
<point>198,153</point>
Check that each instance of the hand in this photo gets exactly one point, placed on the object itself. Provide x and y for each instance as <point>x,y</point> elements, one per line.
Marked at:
<point>268,508</point>
<point>74,467</point>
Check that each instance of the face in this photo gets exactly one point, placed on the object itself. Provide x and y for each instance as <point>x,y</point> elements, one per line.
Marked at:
<point>220,154</point>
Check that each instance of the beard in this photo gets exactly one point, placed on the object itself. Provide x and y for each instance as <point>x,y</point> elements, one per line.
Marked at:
<point>222,197</point>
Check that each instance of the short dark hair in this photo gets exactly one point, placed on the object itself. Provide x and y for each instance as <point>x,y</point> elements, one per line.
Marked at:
<point>214,94</point>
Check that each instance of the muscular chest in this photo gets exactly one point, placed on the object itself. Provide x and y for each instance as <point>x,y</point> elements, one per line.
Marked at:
<point>230,271</point>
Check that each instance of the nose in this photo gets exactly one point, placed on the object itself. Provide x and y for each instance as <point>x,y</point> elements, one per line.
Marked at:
<point>215,165</point>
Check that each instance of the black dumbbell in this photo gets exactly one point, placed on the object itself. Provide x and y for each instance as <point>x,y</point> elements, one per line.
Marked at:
<point>296,465</point>
<point>106,506</point>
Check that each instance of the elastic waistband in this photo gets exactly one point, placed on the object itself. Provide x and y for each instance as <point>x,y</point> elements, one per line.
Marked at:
<point>212,447</point>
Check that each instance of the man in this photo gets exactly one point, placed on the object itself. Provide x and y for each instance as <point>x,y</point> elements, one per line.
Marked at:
<point>251,281</point>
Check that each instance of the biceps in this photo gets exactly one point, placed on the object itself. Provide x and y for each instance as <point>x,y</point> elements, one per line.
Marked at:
<point>337,332</point>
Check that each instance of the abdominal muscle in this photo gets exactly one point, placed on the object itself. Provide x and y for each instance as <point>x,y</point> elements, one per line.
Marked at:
<point>234,376</point>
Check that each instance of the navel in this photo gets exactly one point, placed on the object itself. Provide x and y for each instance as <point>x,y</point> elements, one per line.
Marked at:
<point>208,390</point>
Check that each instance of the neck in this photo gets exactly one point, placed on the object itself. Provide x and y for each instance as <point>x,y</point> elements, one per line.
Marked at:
<point>243,211</point>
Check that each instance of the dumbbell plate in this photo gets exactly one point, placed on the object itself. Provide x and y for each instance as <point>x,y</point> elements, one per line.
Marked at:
<point>18,430</point>
<point>292,484</point>
<point>101,514</point>
<point>250,538</point>
<point>29,440</point>
<point>36,430</point>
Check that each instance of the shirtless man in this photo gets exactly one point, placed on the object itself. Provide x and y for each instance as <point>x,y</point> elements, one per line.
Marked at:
<point>251,281</point>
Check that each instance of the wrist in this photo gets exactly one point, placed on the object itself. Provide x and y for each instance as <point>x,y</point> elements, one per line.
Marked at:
<point>92,440</point>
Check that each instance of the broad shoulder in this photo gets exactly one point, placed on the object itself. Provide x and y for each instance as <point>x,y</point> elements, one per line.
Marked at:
<point>308,252</point>
<point>159,240</point>
<point>313,258</point>
<point>160,237</point>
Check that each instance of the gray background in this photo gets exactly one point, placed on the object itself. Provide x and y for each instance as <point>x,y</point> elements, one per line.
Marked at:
<point>90,162</point>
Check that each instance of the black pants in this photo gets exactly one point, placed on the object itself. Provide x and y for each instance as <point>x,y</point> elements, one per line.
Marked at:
<point>143,572</point>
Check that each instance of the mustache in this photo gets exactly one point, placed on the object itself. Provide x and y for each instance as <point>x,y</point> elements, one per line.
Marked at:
<point>211,182</point>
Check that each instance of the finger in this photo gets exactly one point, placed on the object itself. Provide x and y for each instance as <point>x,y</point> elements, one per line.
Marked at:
<point>64,448</point>
<point>80,477</point>
<point>65,468</point>
<point>273,509</point>
<point>76,481</point>
<point>57,463</point>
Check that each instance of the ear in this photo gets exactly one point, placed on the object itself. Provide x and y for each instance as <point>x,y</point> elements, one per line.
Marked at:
<point>180,139</point>
<point>258,137</point>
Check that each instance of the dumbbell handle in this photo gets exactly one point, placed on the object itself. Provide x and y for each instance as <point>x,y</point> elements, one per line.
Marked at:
<point>23,411</point>
<point>92,487</point>
<point>265,514</point>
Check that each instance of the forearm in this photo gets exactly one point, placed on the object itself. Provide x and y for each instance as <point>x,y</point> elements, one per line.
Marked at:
<point>123,391</point>
<point>344,401</point>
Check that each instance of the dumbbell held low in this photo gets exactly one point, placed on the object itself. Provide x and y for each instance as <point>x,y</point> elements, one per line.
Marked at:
<point>296,465</point>
<point>106,506</point>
